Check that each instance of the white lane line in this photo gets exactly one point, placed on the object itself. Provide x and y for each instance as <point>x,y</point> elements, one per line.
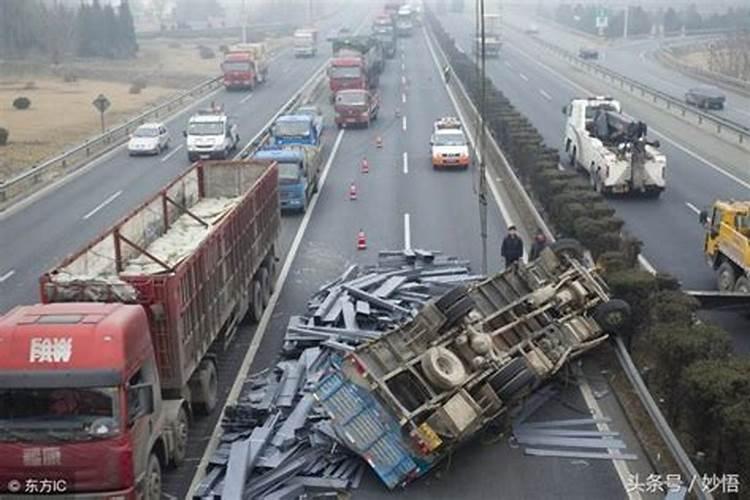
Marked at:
<point>265,320</point>
<point>692,207</point>
<point>403,80</point>
<point>407,232</point>
<point>523,77</point>
<point>508,64</point>
<point>406,162</point>
<point>403,98</point>
<point>403,123</point>
<point>103,204</point>
<point>171,153</point>
<point>403,67</point>
<point>7,275</point>
<point>246,98</point>
<point>545,95</point>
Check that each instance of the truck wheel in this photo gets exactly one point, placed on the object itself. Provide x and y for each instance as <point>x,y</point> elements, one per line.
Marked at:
<point>507,373</point>
<point>256,301</point>
<point>207,387</point>
<point>612,315</point>
<point>461,308</point>
<point>516,385</point>
<point>742,285</point>
<point>181,427</point>
<point>265,285</point>
<point>271,266</point>
<point>726,277</point>
<point>443,368</point>
<point>303,208</point>
<point>567,247</point>
<point>153,479</point>
<point>572,160</point>
<point>450,298</point>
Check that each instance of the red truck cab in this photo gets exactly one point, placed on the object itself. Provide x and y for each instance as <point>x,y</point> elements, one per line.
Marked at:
<point>80,407</point>
<point>346,73</point>
<point>356,107</point>
<point>241,70</point>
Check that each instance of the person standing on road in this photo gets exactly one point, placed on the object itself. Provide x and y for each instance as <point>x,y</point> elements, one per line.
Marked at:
<point>447,73</point>
<point>512,247</point>
<point>539,244</point>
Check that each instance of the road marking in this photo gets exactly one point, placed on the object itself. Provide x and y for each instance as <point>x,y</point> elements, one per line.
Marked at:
<point>692,207</point>
<point>403,123</point>
<point>265,320</point>
<point>246,98</point>
<point>171,153</point>
<point>403,98</point>
<point>103,204</point>
<point>407,232</point>
<point>406,162</point>
<point>545,95</point>
<point>508,64</point>
<point>523,77</point>
<point>403,80</point>
<point>403,67</point>
<point>7,275</point>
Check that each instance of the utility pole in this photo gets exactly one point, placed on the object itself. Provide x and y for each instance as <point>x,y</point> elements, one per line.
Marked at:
<point>309,13</point>
<point>625,28</point>
<point>244,22</point>
<point>482,134</point>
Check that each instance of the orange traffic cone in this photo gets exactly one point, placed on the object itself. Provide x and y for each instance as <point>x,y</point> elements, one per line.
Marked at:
<point>379,142</point>
<point>361,240</point>
<point>353,191</point>
<point>365,166</point>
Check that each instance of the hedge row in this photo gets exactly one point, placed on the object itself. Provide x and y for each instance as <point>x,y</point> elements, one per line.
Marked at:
<point>689,366</point>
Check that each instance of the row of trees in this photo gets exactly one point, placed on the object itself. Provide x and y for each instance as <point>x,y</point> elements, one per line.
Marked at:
<point>641,21</point>
<point>90,30</point>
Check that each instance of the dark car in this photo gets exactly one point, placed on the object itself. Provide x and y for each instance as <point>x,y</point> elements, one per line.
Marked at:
<point>706,97</point>
<point>588,53</point>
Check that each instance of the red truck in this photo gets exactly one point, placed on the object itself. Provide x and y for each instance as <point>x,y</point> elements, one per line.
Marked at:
<point>356,64</point>
<point>245,66</point>
<point>356,107</point>
<point>99,383</point>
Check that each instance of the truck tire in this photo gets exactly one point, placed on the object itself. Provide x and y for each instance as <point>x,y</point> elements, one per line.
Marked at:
<point>256,300</point>
<point>612,315</point>
<point>572,159</point>
<point>507,373</point>
<point>443,368</point>
<point>458,310</point>
<point>207,388</point>
<point>726,277</point>
<point>516,385</point>
<point>152,489</point>
<point>567,247</point>
<point>271,266</point>
<point>265,285</point>
<point>742,285</point>
<point>450,298</point>
<point>181,427</point>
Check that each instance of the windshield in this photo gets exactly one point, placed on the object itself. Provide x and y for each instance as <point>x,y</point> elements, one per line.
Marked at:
<point>288,172</point>
<point>591,110</point>
<point>146,132</point>
<point>236,66</point>
<point>76,413</point>
<point>345,72</point>
<point>450,139</point>
<point>285,129</point>
<point>351,98</point>
<point>206,128</point>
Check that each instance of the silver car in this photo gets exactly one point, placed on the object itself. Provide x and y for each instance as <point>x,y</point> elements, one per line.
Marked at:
<point>148,139</point>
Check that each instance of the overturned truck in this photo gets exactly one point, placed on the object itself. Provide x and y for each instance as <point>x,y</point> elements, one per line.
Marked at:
<point>407,399</point>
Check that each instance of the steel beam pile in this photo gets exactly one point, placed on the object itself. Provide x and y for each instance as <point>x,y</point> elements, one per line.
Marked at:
<point>277,442</point>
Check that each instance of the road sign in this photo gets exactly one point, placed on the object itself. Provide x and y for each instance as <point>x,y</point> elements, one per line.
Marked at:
<point>101,103</point>
<point>602,19</point>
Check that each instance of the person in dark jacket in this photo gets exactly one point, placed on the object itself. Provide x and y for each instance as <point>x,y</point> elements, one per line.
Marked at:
<point>539,244</point>
<point>512,248</point>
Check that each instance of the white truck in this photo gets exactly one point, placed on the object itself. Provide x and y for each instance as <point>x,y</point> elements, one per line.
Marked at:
<point>210,134</point>
<point>612,148</point>
<point>305,42</point>
<point>492,41</point>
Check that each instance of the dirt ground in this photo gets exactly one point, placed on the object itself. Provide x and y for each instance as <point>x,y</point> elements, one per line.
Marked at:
<point>700,59</point>
<point>61,115</point>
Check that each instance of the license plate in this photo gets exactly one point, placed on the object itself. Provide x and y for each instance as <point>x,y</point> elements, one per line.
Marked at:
<point>351,120</point>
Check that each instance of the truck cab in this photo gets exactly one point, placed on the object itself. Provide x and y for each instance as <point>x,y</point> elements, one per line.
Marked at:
<point>210,134</point>
<point>448,144</point>
<point>727,244</point>
<point>245,66</point>
<point>295,129</point>
<point>383,29</point>
<point>305,43</point>
<point>404,21</point>
<point>80,402</point>
<point>299,170</point>
<point>356,107</point>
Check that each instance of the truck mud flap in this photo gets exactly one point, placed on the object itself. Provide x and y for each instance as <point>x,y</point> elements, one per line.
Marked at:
<point>366,428</point>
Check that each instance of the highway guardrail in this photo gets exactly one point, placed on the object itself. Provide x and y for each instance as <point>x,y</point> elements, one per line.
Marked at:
<point>531,219</point>
<point>732,132</point>
<point>68,162</point>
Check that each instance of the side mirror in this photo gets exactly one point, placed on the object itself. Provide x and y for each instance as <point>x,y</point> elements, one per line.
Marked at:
<point>140,401</point>
<point>184,133</point>
<point>703,217</point>
<point>565,110</point>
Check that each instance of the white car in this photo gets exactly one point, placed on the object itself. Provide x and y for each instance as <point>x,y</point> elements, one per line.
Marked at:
<point>149,139</point>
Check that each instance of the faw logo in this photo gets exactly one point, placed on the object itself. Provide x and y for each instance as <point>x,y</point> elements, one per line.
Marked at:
<point>50,350</point>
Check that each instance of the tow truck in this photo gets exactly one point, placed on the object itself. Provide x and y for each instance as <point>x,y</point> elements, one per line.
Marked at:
<point>449,147</point>
<point>727,244</point>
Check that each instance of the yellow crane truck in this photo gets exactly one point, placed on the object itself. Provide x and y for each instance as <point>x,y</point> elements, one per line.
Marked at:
<point>727,244</point>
